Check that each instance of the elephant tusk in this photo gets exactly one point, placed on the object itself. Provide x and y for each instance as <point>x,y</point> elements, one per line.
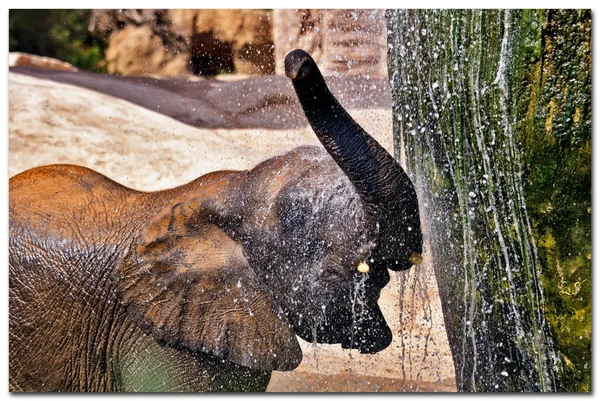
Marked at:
<point>415,258</point>
<point>363,267</point>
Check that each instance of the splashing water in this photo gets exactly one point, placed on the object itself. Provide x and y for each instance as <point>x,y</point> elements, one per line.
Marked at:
<point>358,304</point>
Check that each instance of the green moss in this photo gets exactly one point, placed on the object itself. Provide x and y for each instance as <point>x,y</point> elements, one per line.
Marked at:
<point>558,187</point>
<point>501,149</point>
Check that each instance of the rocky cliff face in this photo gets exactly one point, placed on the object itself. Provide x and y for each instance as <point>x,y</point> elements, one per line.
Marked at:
<point>234,40</point>
<point>342,42</point>
<point>136,50</point>
<point>182,42</point>
<point>208,42</point>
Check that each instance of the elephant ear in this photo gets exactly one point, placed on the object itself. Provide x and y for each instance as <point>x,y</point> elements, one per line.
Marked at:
<point>191,287</point>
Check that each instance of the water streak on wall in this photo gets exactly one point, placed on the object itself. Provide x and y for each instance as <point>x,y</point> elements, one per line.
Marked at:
<point>458,79</point>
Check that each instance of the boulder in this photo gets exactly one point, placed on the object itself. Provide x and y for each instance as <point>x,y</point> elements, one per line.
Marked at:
<point>16,59</point>
<point>135,50</point>
<point>266,101</point>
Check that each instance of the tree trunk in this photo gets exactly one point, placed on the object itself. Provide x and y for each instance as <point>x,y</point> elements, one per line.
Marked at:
<point>492,112</point>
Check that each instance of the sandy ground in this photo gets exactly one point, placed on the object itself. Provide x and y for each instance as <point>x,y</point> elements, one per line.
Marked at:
<point>51,122</point>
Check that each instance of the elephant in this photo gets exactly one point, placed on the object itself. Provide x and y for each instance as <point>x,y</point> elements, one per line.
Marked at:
<point>204,287</point>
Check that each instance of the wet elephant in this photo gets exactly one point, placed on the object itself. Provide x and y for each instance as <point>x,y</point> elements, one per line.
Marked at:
<point>204,287</point>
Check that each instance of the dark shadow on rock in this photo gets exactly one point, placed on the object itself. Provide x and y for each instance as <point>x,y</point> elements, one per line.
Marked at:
<point>259,102</point>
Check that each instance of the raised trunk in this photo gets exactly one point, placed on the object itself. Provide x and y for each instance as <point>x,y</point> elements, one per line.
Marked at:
<point>382,183</point>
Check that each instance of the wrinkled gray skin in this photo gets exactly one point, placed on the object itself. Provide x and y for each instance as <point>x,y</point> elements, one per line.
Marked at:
<point>204,287</point>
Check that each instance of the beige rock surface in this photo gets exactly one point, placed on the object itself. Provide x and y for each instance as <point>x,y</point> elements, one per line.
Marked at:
<point>17,59</point>
<point>346,41</point>
<point>50,122</point>
<point>243,35</point>
<point>133,50</point>
<point>186,41</point>
<point>342,41</point>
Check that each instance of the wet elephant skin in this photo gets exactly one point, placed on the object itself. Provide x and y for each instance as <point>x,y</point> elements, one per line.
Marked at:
<point>204,287</point>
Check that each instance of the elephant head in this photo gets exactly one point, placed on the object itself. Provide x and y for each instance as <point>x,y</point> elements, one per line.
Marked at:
<point>239,262</point>
<point>339,220</point>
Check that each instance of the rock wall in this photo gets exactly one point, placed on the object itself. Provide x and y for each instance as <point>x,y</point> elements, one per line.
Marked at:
<point>492,109</point>
<point>240,40</point>
<point>136,50</point>
<point>208,42</point>
<point>351,42</point>
<point>181,42</point>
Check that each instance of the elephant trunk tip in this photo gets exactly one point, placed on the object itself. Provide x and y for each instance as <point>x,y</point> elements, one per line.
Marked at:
<point>298,64</point>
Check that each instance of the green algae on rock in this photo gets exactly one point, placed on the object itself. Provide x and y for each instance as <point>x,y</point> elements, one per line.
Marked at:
<point>492,114</point>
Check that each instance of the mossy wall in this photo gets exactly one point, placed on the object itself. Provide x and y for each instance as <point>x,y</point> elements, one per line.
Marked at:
<point>492,115</point>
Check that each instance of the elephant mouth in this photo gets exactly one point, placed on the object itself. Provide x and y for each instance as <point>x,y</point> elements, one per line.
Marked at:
<point>354,321</point>
<point>368,333</point>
